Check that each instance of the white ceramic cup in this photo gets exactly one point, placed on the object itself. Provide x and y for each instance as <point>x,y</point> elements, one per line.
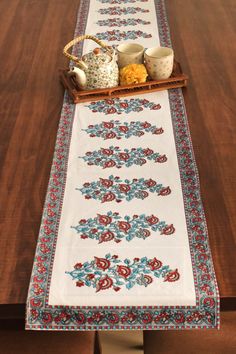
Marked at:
<point>129,53</point>
<point>159,62</point>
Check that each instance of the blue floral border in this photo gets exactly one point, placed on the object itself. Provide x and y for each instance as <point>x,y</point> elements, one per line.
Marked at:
<point>41,316</point>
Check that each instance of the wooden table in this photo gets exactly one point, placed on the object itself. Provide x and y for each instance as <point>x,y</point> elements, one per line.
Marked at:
<point>32,36</point>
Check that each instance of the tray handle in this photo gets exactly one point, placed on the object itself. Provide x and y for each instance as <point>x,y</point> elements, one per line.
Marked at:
<point>76,40</point>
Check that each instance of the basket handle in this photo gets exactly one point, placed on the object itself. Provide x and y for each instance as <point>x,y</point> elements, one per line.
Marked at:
<point>79,39</point>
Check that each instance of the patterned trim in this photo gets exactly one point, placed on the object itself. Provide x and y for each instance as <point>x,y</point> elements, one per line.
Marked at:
<point>205,314</point>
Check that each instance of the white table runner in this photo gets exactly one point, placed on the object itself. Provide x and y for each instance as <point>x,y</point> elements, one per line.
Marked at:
<point>123,242</point>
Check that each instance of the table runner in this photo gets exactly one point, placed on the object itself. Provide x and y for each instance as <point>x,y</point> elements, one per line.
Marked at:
<point>123,241</point>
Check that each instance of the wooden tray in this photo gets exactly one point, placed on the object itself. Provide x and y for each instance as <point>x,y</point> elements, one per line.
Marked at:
<point>177,79</point>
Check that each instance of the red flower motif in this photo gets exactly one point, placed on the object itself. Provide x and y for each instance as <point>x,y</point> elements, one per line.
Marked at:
<point>146,125</point>
<point>116,288</point>
<point>79,283</point>
<point>172,276</point>
<point>155,264</point>
<point>82,222</point>
<point>108,197</point>
<point>90,276</point>
<point>107,152</point>
<point>108,101</point>
<point>35,302</point>
<point>148,152</point>
<point>124,226</point>
<point>94,231</point>
<point>86,184</point>
<point>124,105</point>
<point>168,230</point>
<point>102,263</point>
<point>124,188</point>
<point>156,106</point>
<point>111,110</point>
<point>46,317</point>
<point>158,131</point>
<point>139,133</point>
<point>78,265</point>
<point>148,279</point>
<point>83,236</point>
<point>104,219</point>
<point>123,128</point>
<point>87,197</point>
<point>209,302</point>
<point>165,191</point>
<point>106,236</point>
<point>143,194</point>
<point>108,164</point>
<point>179,317</point>
<point>124,156</point>
<point>152,220</point>
<point>108,125</point>
<point>150,183</point>
<point>110,135</point>
<point>161,159</point>
<point>106,182</point>
<point>113,317</point>
<point>146,233</point>
<point>80,318</point>
<point>104,283</point>
<point>136,259</point>
<point>146,317</point>
<point>123,271</point>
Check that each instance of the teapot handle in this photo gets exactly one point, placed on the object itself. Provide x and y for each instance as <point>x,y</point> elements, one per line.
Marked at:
<point>80,63</point>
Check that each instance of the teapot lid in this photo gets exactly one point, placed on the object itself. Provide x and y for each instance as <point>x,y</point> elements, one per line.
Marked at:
<point>97,56</point>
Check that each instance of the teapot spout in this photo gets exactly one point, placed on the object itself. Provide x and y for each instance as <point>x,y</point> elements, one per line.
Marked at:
<point>79,76</point>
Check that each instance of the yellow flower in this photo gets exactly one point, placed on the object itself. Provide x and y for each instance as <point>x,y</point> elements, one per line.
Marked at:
<point>133,74</point>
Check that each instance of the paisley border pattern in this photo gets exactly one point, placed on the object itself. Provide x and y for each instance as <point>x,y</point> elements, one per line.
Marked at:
<point>41,316</point>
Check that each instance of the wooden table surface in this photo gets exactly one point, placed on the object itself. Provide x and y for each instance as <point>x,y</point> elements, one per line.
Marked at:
<point>32,35</point>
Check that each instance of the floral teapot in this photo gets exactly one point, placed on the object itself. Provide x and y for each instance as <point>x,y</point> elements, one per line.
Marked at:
<point>97,69</point>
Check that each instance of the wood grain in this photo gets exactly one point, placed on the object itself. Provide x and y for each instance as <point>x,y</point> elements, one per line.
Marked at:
<point>32,36</point>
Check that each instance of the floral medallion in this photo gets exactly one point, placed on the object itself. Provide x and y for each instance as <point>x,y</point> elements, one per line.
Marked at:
<point>118,190</point>
<point>114,156</point>
<point>115,129</point>
<point>112,273</point>
<point>112,227</point>
<point>118,105</point>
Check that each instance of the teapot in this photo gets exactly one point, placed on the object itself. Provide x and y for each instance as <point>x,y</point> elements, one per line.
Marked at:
<point>97,69</point>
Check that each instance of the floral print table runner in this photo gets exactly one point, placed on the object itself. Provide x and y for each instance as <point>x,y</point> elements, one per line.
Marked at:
<point>123,242</point>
